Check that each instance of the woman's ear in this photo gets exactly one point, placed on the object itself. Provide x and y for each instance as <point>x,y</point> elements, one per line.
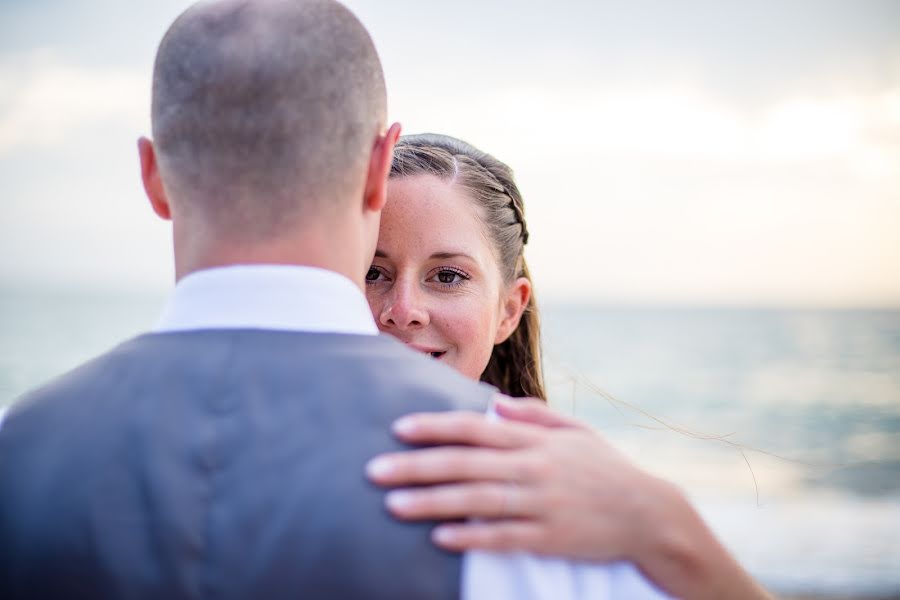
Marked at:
<point>513,306</point>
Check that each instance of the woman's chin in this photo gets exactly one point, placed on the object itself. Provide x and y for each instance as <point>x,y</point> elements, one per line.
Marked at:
<point>466,368</point>
<point>451,359</point>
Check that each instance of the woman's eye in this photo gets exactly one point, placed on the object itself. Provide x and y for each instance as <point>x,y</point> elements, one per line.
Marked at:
<point>373,275</point>
<point>450,277</point>
<point>447,276</point>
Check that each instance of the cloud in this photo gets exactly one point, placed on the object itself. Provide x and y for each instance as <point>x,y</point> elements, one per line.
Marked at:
<point>46,100</point>
<point>678,123</point>
<point>673,192</point>
<point>677,193</point>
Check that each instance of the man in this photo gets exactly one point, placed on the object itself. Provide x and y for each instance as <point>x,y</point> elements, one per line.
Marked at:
<point>223,455</point>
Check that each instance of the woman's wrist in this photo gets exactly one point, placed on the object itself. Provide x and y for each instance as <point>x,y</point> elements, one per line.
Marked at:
<point>665,548</point>
<point>678,551</point>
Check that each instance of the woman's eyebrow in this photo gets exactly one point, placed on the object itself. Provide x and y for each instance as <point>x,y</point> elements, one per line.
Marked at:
<point>449,255</point>
<point>437,255</point>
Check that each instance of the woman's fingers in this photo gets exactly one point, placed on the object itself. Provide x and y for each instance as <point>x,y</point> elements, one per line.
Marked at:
<point>483,500</point>
<point>463,427</point>
<point>441,465</point>
<point>529,410</point>
<point>503,535</point>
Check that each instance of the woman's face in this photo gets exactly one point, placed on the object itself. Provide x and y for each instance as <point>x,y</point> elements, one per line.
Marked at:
<point>435,283</point>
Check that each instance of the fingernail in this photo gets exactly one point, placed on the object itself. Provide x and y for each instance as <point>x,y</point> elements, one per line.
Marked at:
<point>404,426</point>
<point>443,535</point>
<point>379,467</point>
<point>398,500</point>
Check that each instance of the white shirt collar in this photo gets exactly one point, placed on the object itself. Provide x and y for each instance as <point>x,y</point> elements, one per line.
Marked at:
<point>280,297</point>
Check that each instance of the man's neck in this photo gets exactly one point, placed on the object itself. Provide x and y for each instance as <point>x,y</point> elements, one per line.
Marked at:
<point>333,253</point>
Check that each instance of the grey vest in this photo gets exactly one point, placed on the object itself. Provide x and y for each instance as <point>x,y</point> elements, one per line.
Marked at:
<point>221,464</point>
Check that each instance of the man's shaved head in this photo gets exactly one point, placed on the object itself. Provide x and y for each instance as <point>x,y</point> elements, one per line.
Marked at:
<point>265,112</point>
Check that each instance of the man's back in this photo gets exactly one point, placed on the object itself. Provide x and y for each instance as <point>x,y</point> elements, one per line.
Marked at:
<point>221,464</point>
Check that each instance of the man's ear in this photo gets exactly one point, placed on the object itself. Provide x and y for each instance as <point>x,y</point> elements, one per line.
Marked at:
<point>514,304</point>
<point>379,168</point>
<point>152,182</point>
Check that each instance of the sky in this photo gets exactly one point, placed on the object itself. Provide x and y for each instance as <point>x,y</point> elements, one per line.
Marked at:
<point>692,153</point>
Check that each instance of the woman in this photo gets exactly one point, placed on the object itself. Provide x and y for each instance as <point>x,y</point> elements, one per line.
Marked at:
<point>450,280</point>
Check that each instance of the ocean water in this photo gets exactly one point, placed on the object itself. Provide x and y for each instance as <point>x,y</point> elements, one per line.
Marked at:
<point>782,425</point>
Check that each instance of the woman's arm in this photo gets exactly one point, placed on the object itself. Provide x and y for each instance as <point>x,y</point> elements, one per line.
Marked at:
<point>547,484</point>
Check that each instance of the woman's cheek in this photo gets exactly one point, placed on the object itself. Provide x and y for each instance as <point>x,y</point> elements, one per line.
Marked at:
<point>469,327</point>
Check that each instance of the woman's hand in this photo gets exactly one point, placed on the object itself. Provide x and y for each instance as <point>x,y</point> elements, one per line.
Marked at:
<point>547,484</point>
<point>540,482</point>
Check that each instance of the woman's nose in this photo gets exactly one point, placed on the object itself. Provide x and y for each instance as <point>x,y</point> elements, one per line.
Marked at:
<point>404,307</point>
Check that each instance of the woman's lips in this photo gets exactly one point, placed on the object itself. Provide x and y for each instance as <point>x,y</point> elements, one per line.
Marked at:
<point>432,352</point>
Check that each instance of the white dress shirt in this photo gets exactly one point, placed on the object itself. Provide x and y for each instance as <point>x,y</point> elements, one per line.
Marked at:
<point>293,298</point>
<point>276,297</point>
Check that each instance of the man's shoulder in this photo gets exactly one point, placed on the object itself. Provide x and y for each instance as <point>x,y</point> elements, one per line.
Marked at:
<point>78,380</point>
<point>275,362</point>
<point>377,366</point>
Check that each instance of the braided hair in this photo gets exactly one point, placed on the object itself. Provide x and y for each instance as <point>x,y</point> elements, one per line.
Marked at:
<point>515,364</point>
